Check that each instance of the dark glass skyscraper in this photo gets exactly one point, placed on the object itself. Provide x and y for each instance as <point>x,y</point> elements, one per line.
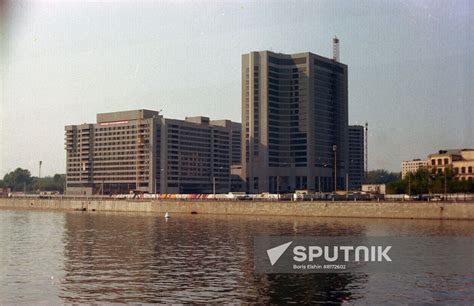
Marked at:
<point>356,156</point>
<point>294,122</point>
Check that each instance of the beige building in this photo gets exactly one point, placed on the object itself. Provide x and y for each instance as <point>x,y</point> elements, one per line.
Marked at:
<point>411,166</point>
<point>374,188</point>
<point>141,150</point>
<point>294,122</point>
<point>461,161</point>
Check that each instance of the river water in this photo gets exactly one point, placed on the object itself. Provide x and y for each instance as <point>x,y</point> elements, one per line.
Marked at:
<point>82,257</point>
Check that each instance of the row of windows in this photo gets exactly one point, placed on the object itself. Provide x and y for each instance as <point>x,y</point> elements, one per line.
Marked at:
<point>439,161</point>
<point>256,116</point>
<point>326,65</point>
<point>287,61</point>
<point>463,170</point>
<point>321,183</point>
<point>457,170</point>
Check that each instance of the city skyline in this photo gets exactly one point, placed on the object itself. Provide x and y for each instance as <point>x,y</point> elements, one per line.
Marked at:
<point>410,73</point>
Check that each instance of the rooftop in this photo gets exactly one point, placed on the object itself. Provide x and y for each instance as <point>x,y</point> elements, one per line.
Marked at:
<point>126,115</point>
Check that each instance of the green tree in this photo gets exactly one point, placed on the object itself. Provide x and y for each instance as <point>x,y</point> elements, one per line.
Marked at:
<point>470,186</point>
<point>21,180</point>
<point>18,180</point>
<point>397,187</point>
<point>50,183</point>
<point>381,176</point>
<point>423,182</point>
<point>59,182</point>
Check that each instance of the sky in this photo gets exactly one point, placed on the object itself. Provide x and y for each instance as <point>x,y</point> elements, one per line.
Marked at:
<point>62,62</point>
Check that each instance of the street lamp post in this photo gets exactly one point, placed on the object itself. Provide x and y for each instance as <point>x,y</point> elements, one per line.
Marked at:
<point>39,176</point>
<point>157,190</point>
<point>230,179</point>
<point>409,185</point>
<point>334,148</point>
<point>179,171</point>
<point>214,185</point>
<point>347,182</point>
<point>431,179</point>
<point>319,180</point>
<point>445,184</point>
<point>319,185</point>
<point>278,185</point>
<point>214,181</point>
<point>348,171</point>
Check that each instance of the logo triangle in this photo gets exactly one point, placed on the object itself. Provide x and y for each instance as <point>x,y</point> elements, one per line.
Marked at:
<point>275,253</point>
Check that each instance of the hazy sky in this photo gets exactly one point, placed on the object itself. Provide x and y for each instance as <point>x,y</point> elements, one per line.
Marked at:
<point>410,67</point>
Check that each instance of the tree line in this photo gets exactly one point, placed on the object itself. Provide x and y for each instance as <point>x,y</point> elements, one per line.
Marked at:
<point>420,182</point>
<point>425,182</point>
<point>20,180</point>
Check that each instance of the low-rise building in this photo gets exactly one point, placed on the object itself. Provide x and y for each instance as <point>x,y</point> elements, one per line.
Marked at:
<point>412,166</point>
<point>374,188</point>
<point>461,161</point>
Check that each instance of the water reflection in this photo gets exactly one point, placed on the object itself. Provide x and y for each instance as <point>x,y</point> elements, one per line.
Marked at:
<point>30,256</point>
<point>130,257</point>
<point>123,258</point>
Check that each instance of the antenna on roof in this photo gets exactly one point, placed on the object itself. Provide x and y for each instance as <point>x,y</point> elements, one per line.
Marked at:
<point>335,49</point>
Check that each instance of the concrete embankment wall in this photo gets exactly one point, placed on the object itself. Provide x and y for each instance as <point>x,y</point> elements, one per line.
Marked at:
<point>405,210</point>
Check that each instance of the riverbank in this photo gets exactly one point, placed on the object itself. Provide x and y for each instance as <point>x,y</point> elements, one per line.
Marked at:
<point>397,210</point>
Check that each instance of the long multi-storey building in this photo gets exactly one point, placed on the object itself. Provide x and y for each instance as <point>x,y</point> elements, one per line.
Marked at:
<point>412,166</point>
<point>356,156</point>
<point>142,150</point>
<point>294,122</point>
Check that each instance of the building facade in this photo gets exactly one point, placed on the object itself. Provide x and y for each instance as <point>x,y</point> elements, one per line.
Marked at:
<point>294,122</point>
<point>356,156</point>
<point>412,166</point>
<point>460,161</point>
<point>142,150</point>
<point>374,188</point>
